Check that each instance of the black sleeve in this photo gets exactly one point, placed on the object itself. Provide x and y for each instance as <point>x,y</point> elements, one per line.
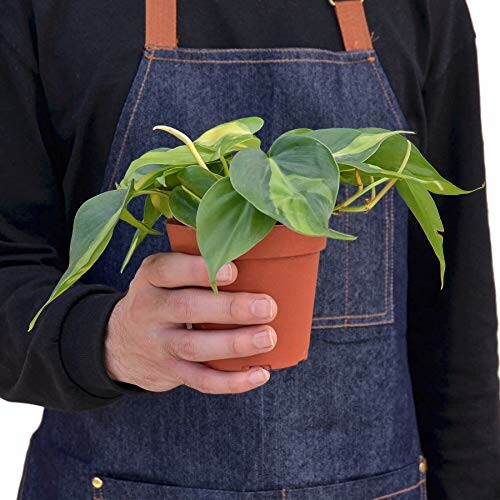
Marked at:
<point>60,363</point>
<point>453,333</point>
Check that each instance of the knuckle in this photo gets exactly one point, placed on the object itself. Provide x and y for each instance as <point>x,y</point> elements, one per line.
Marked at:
<point>149,261</point>
<point>187,348</point>
<point>163,272</point>
<point>197,267</point>
<point>231,306</point>
<point>157,266</point>
<point>181,306</point>
<point>237,345</point>
<point>238,306</point>
<point>138,310</point>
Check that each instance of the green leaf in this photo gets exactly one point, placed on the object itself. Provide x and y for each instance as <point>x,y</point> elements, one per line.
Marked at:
<point>169,179</point>
<point>389,157</point>
<point>232,144</point>
<point>160,201</point>
<point>295,131</point>
<point>150,216</point>
<point>221,140</point>
<point>232,132</point>
<point>424,209</point>
<point>127,217</point>
<point>184,206</point>
<point>228,226</point>
<point>296,184</point>
<point>367,171</point>
<point>93,228</point>
<point>164,157</point>
<point>156,177</point>
<point>197,179</point>
<point>348,144</point>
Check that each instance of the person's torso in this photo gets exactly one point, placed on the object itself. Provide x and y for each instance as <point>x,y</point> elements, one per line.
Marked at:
<point>339,425</point>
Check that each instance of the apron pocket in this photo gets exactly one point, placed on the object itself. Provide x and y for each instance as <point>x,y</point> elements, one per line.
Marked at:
<point>407,483</point>
<point>356,278</point>
<point>120,489</point>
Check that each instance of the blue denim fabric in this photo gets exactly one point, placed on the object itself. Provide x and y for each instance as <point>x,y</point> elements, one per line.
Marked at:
<point>340,425</point>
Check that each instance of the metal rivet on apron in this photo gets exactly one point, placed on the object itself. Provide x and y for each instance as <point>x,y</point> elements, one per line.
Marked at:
<point>423,466</point>
<point>97,483</point>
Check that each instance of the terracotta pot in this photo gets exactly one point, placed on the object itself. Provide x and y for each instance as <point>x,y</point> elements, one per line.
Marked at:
<point>283,265</point>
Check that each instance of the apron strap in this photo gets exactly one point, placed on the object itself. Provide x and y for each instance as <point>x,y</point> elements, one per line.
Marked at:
<point>161,23</point>
<point>353,24</point>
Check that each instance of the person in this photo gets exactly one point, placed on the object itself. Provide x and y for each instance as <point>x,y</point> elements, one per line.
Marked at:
<point>399,396</point>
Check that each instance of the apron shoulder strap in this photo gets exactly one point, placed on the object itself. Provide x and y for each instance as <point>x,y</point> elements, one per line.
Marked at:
<point>353,24</point>
<point>161,24</point>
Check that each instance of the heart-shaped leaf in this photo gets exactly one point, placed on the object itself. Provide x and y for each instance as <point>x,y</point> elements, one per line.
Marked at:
<point>235,132</point>
<point>296,183</point>
<point>93,228</point>
<point>228,226</point>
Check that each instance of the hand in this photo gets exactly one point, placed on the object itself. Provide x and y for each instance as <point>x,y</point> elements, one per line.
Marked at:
<point>147,343</point>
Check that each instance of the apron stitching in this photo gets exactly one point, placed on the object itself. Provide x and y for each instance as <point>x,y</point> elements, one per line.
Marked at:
<point>344,54</point>
<point>390,276</point>
<point>256,61</point>
<point>389,266</point>
<point>352,316</point>
<point>347,257</point>
<point>387,258</point>
<point>400,492</point>
<point>352,325</point>
<point>129,125</point>
<point>386,95</point>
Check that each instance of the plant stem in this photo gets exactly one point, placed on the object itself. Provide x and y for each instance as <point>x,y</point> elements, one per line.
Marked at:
<point>386,188</point>
<point>357,194</point>
<point>184,188</point>
<point>374,189</point>
<point>187,141</point>
<point>225,165</point>
<point>352,199</point>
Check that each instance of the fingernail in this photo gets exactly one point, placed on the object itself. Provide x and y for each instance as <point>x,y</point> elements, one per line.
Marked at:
<point>264,339</point>
<point>259,376</point>
<point>262,308</point>
<point>225,273</point>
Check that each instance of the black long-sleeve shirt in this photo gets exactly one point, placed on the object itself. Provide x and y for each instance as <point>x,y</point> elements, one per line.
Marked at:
<point>65,71</point>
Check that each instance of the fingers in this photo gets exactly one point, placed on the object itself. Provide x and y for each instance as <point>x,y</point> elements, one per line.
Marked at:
<point>173,270</point>
<point>210,381</point>
<point>203,306</point>
<point>205,345</point>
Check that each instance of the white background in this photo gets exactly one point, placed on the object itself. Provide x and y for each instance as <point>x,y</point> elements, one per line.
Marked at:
<point>17,422</point>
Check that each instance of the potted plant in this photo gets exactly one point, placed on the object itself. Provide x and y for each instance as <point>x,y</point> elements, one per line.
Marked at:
<point>226,199</point>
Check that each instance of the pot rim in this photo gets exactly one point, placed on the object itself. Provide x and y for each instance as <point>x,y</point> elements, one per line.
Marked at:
<point>281,242</point>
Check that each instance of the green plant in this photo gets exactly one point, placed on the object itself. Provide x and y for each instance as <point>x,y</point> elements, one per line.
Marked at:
<point>233,193</point>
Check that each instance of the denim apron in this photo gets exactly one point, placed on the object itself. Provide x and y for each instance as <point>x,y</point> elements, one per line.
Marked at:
<point>340,425</point>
